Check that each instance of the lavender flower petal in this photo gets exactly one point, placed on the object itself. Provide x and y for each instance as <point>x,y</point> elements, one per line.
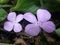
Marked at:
<point>30,17</point>
<point>17,27</point>
<point>19,18</point>
<point>11,16</point>
<point>48,26</point>
<point>8,26</point>
<point>32,29</point>
<point>43,15</point>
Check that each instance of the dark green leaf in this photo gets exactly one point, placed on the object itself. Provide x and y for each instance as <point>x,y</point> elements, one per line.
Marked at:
<point>58,31</point>
<point>3,14</point>
<point>44,40</point>
<point>26,6</point>
<point>33,5</point>
<point>3,1</point>
<point>58,0</point>
<point>52,5</point>
<point>1,6</point>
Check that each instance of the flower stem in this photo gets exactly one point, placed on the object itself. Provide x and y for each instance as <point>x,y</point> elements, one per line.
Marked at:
<point>5,6</point>
<point>41,3</point>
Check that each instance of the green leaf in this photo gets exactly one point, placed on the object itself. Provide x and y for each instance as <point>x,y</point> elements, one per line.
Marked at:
<point>4,6</point>
<point>52,5</point>
<point>26,6</point>
<point>44,43</point>
<point>44,40</point>
<point>58,31</point>
<point>33,5</point>
<point>3,14</point>
<point>58,1</point>
<point>3,1</point>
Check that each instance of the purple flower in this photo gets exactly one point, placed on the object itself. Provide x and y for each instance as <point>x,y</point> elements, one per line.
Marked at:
<point>12,22</point>
<point>34,28</point>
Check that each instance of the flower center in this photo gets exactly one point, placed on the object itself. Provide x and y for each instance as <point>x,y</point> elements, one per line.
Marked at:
<point>39,23</point>
<point>14,22</point>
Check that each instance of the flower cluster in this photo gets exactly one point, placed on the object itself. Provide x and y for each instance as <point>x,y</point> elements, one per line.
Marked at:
<point>33,29</point>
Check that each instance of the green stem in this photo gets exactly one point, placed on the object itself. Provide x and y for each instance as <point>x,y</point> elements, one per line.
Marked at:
<point>5,6</point>
<point>41,3</point>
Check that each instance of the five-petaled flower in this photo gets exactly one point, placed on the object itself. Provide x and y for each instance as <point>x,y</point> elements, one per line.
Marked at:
<point>13,22</point>
<point>41,22</point>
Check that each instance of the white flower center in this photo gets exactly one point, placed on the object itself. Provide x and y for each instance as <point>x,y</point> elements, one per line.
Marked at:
<point>39,23</point>
<point>14,22</point>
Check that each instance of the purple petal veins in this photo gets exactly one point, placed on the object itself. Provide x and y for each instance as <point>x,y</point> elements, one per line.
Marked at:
<point>19,18</point>
<point>48,26</point>
<point>8,26</point>
<point>12,22</point>
<point>43,17</point>
<point>30,17</point>
<point>17,27</point>
<point>11,16</point>
<point>32,29</point>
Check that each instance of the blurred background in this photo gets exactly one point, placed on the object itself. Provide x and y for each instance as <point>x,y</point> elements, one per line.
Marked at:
<point>22,6</point>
